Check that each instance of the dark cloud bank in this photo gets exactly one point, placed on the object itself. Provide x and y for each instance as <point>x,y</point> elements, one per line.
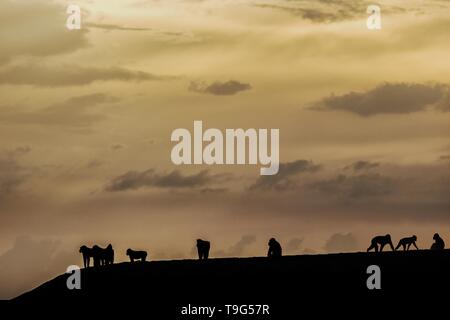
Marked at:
<point>362,165</point>
<point>217,88</point>
<point>322,11</point>
<point>150,178</point>
<point>12,173</point>
<point>76,111</point>
<point>363,190</point>
<point>70,75</point>
<point>284,179</point>
<point>389,98</point>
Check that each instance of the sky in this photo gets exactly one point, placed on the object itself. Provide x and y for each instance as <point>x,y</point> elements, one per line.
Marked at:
<point>86,118</point>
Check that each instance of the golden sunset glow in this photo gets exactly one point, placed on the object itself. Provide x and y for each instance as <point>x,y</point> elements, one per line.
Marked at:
<point>86,117</point>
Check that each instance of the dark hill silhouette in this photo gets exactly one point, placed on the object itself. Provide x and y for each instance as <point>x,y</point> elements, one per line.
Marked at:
<point>309,282</point>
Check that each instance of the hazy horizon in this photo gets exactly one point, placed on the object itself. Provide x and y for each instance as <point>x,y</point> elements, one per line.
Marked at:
<point>86,117</point>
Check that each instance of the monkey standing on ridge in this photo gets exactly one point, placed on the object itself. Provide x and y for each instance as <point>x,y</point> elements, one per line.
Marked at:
<point>406,243</point>
<point>108,255</point>
<point>136,255</point>
<point>203,249</point>
<point>87,255</point>
<point>382,241</point>
<point>97,255</point>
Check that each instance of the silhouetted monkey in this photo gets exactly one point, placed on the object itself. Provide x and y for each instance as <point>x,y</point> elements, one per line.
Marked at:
<point>438,244</point>
<point>136,255</point>
<point>87,255</point>
<point>103,256</point>
<point>108,255</point>
<point>203,249</point>
<point>382,241</point>
<point>97,254</point>
<point>275,250</point>
<point>406,243</point>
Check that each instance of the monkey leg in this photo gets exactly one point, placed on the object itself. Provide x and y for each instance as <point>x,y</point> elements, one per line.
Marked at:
<point>372,246</point>
<point>391,245</point>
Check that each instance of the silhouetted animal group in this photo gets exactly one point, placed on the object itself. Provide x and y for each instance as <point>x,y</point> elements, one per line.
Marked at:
<point>379,242</point>
<point>105,256</point>
<point>101,256</point>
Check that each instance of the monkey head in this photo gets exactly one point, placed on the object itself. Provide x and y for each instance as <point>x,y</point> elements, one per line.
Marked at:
<point>272,241</point>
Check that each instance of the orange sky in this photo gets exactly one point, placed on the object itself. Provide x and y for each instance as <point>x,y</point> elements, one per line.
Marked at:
<point>86,117</point>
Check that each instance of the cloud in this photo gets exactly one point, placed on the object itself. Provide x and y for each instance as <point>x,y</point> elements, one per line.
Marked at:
<point>29,263</point>
<point>444,103</point>
<point>70,75</point>
<point>362,165</point>
<point>322,11</point>
<point>94,164</point>
<point>394,193</point>
<point>117,146</point>
<point>293,246</point>
<point>19,151</point>
<point>283,179</point>
<point>388,98</point>
<point>171,255</point>
<point>12,174</point>
<point>355,187</point>
<point>341,243</point>
<point>116,27</point>
<point>327,11</point>
<point>36,28</point>
<point>133,180</point>
<point>213,190</point>
<point>217,88</point>
<point>76,112</point>
<point>237,249</point>
<point>310,14</point>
